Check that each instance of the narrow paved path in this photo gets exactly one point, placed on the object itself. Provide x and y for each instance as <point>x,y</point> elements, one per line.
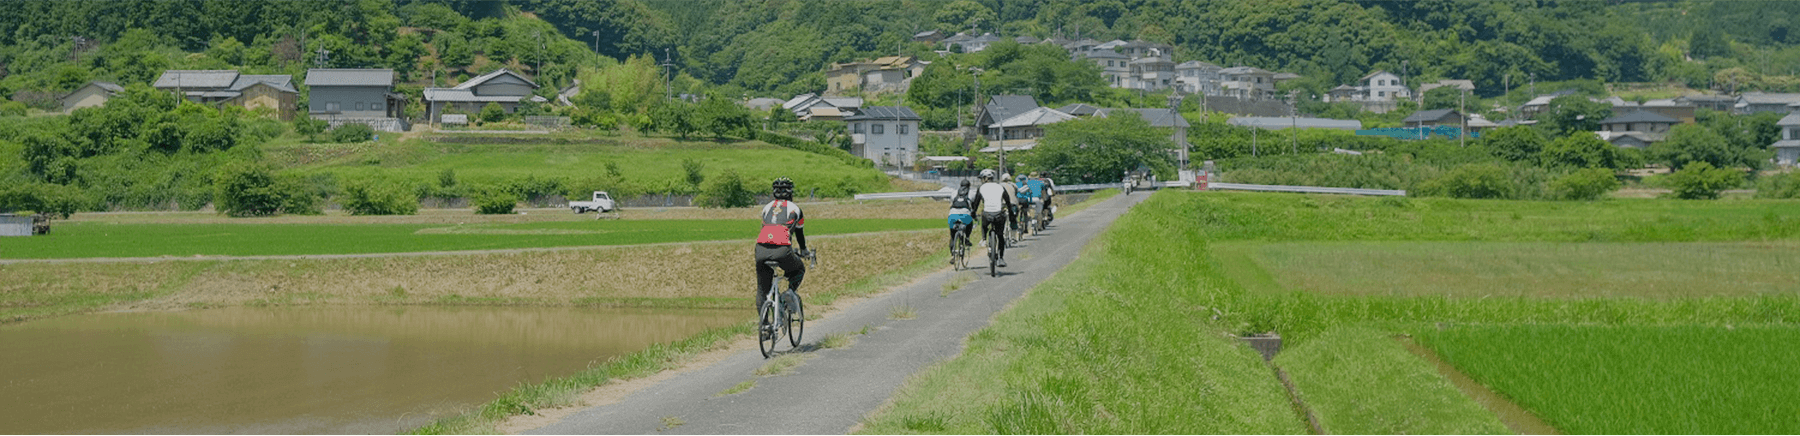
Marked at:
<point>835,388</point>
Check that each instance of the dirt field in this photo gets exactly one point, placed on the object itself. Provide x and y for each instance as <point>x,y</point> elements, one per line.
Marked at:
<point>673,275</point>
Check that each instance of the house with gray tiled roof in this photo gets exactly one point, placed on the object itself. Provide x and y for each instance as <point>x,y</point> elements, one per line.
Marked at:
<point>1001,107</point>
<point>888,135</point>
<point>92,94</point>
<point>1757,102</point>
<point>1642,121</point>
<point>355,96</point>
<point>1434,117</point>
<point>273,92</point>
<point>503,87</point>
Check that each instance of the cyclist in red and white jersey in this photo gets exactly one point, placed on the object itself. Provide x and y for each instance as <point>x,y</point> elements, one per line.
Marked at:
<point>783,226</point>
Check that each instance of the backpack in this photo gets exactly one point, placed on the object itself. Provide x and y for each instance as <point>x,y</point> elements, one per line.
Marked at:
<point>960,202</point>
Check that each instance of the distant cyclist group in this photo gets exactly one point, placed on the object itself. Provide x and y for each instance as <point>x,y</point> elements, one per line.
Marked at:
<point>1022,205</point>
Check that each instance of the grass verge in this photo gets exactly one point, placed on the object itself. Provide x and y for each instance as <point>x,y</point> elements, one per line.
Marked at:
<point>1062,361</point>
<point>562,391</point>
<point>1586,379</point>
<point>1360,381</point>
<point>780,365</point>
<point>738,388</point>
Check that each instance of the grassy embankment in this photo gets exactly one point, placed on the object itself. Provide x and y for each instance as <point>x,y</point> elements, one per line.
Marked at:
<point>1188,256</point>
<point>648,163</point>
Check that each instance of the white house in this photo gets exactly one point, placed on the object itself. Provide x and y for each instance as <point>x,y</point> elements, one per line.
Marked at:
<point>92,94</point>
<point>1249,83</point>
<point>1383,86</point>
<point>1196,77</point>
<point>888,135</point>
<point>1787,150</point>
<point>502,87</point>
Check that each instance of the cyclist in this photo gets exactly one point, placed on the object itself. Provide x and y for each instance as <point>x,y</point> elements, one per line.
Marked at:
<point>783,225</point>
<point>1012,208</point>
<point>961,213</point>
<point>1049,200</point>
<point>1034,188</point>
<point>994,201</point>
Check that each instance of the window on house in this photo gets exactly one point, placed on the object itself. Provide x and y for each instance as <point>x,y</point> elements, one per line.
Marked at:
<point>375,106</point>
<point>903,129</point>
<point>876,129</point>
<point>359,105</point>
<point>856,128</point>
<point>331,106</point>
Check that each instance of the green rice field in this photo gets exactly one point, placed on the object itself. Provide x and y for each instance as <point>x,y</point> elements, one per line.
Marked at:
<point>99,239</point>
<point>1586,379</point>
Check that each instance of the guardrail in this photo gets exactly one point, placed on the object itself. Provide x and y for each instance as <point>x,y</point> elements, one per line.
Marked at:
<point>1305,189</point>
<point>944,193</point>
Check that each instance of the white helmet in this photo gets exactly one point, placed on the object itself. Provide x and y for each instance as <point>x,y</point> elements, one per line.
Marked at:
<point>987,174</point>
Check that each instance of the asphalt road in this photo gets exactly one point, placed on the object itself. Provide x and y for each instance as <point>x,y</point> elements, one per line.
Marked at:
<point>835,388</point>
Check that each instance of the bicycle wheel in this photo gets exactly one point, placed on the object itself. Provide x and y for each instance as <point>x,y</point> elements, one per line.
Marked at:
<point>956,252</point>
<point>765,329</point>
<point>796,320</point>
<point>994,261</point>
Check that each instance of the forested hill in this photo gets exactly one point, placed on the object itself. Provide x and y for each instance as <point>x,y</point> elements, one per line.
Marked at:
<point>779,47</point>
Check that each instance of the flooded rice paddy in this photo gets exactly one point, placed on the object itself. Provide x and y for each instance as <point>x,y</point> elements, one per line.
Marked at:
<point>303,370</point>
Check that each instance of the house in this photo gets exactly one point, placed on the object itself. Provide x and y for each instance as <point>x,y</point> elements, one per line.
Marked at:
<point>1078,109</point>
<point>956,41</point>
<point>886,74</point>
<point>1435,117</point>
<point>226,87</point>
<point>1672,108</point>
<point>979,43</point>
<point>1021,132</point>
<point>1721,103</point>
<point>1279,123</point>
<point>888,135</point>
<point>1141,49</point>
<point>355,96</point>
<point>1196,77</point>
<point>1787,150</point>
<point>1637,140</point>
<point>1160,118</point>
<point>90,95</point>
<point>1248,83</point>
<point>1001,107</point>
<point>1150,73</point>
<point>503,87</point>
<point>1383,86</point>
<point>1115,67</point>
<point>1641,121</point>
<point>1756,102</point>
<point>929,37</point>
<point>1478,123</point>
<point>1342,93</point>
<point>1026,40</point>
<point>1283,77</point>
<point>763,105</point>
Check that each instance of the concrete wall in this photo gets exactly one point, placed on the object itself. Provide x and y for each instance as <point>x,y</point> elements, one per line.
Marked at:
<point>15,226</point>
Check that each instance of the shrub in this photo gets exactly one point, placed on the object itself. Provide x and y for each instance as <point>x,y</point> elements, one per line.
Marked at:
<point>726,190</point>
<point>57,201</point>
<point>495,202</point>
<point>1700,180</point>
<point>492,113</point>
<point>1585,184</point>
<point>308,126</point>
<point>376,198</point>
<point>695,170</point>
<point>245,189</point>
<point>353,132</point>
<point>447,178</point>
<point>12,109</point>
<point>209,136</point>
<point>1471,181</point>
<point>1786,185</point>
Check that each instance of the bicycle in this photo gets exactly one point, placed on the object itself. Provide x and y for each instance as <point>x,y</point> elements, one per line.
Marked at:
<point>775,319</point>
<point>999,234</point>
<point>1025,222</point>
<point>959,247</point>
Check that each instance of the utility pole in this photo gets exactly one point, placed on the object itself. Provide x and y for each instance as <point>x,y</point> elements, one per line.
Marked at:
<point>1294,119</point>
<point>1253,130</point>
<point>669,73</point>
<point>1462,135</point>
<point>596,42</point>
<point>1174,122</point>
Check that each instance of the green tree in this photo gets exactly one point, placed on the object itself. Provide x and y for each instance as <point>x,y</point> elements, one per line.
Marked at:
<point>1573,113</point>
<point>1708,43</point>
<point>962,15</point>
<point>720,116</point>
<point>1701,181</point>
<point>1583,150</point>
<point>352,133</point>
<point>245,189</point>
<point>1688,144</point>
<point>1586,184</point>
<point>492,113</point>
<point>675,117</point>
<point>495,202</point>
<point>727,190</point>
<point>1518,143</point>
<point>1484,180</point>
<point>1095,150</point>
<point>695,172</point>
<point>1442,98</point>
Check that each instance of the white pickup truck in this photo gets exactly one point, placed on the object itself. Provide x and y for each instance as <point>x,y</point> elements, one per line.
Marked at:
<point>601,203</point>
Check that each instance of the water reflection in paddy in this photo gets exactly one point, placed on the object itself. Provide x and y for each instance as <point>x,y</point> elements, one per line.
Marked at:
<point>305,370</point>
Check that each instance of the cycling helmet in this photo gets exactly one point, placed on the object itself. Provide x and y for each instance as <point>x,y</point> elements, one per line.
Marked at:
<point>783,189</point>
<point>987,174</point>
<point>965,184</point>
<point>1034,174</point>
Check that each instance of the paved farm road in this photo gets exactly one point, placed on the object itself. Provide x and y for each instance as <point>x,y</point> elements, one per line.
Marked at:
<point>834,389</point>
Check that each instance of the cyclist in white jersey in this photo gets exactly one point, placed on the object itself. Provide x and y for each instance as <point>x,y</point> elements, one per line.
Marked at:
<point>993,201</point>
